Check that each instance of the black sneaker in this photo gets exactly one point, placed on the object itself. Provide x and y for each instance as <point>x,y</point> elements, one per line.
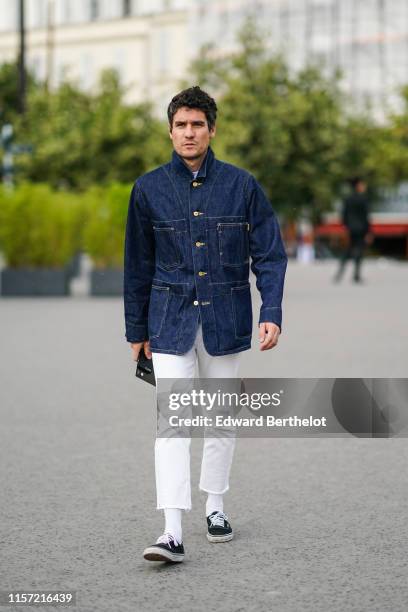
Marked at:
<point>167,548</point>
<point>219,529</point>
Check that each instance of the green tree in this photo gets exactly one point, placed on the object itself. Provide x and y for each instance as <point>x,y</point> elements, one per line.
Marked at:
<point>80,139</point>
<point>388,158</point>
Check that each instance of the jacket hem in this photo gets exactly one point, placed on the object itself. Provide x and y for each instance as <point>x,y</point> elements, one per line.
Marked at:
<point>215,354</point>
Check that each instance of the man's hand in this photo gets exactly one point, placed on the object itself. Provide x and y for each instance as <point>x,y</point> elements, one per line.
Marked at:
<point>268,335</point>
<point>136,346</point>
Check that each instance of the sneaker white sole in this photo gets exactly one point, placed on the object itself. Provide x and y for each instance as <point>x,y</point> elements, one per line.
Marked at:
<point>156,554</point>
<point>223,538</point>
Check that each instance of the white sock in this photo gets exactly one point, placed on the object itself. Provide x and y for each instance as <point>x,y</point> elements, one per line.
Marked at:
<point>214,502</point>
<point>173,523</point>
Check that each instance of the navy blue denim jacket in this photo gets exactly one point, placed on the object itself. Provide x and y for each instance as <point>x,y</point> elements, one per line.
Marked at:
<point>188,246</point>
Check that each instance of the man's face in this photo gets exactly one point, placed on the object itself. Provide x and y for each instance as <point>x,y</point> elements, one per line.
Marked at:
<point>190,133</point>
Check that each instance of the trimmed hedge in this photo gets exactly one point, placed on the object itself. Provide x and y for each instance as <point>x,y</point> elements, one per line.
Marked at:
<point>104,232</point>
<point>39,227</point>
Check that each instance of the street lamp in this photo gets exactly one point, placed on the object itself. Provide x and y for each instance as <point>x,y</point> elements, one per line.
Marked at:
<point>21,60</point>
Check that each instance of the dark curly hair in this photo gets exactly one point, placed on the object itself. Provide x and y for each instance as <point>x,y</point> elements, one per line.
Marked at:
<point>193,97</point>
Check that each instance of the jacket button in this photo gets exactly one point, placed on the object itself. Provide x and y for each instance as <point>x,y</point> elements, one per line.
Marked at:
<point>198,244</point>
<point>196,213</point>
<point>201,273</point>
<point>195,302</point>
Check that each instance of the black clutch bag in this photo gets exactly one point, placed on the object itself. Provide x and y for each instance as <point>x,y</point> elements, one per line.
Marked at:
<point>144,369</point>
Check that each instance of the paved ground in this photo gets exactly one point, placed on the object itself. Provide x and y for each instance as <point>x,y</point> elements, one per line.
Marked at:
<point>320,524</point>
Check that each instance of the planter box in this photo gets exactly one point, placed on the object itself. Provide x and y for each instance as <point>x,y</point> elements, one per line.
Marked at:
<point>108,281</point>
<point>34,281</point>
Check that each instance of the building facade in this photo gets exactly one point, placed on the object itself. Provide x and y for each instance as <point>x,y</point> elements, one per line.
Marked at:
<point>144,40</point>
<point>152,42</point>
<point>366,39</point>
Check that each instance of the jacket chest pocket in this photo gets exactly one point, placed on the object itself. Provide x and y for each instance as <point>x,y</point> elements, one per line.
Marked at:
<point>168,239</point>
<point>233,243</point>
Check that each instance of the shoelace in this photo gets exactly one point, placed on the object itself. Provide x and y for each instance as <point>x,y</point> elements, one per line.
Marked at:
<point>218,519</point>
<point>167,538</point>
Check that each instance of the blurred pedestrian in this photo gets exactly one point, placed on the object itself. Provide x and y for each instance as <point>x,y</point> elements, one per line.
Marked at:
<point>355,217</point>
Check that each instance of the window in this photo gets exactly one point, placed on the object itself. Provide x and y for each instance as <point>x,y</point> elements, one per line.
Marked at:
<point>35,66</point>
<point>35,14</point>
<point>94,9</point>
<point>86,71</point>
<point>163,50</point>
<point>126,8</point>
<point>67,12</point>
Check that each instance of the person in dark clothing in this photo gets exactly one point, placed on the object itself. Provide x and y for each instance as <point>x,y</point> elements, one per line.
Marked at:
<point>355,217</point>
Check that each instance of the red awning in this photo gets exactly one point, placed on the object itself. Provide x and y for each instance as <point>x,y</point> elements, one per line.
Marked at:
<point>377,229</point>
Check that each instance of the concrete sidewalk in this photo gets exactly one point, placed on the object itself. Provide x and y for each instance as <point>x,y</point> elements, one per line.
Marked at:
<point>320,524</point>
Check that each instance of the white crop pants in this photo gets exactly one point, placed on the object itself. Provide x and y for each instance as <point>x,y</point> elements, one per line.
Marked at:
<point>172,454</point>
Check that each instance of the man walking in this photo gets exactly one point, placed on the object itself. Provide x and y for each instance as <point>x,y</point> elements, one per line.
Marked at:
<point>355,217</point>
<point>193,224</point>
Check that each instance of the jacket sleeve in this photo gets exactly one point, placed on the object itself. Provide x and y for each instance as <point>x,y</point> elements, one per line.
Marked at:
<point>139,267</point>
<point>268,256</point>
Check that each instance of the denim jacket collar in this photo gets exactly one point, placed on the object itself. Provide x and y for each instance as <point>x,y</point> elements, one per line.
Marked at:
<point>181,168</point>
